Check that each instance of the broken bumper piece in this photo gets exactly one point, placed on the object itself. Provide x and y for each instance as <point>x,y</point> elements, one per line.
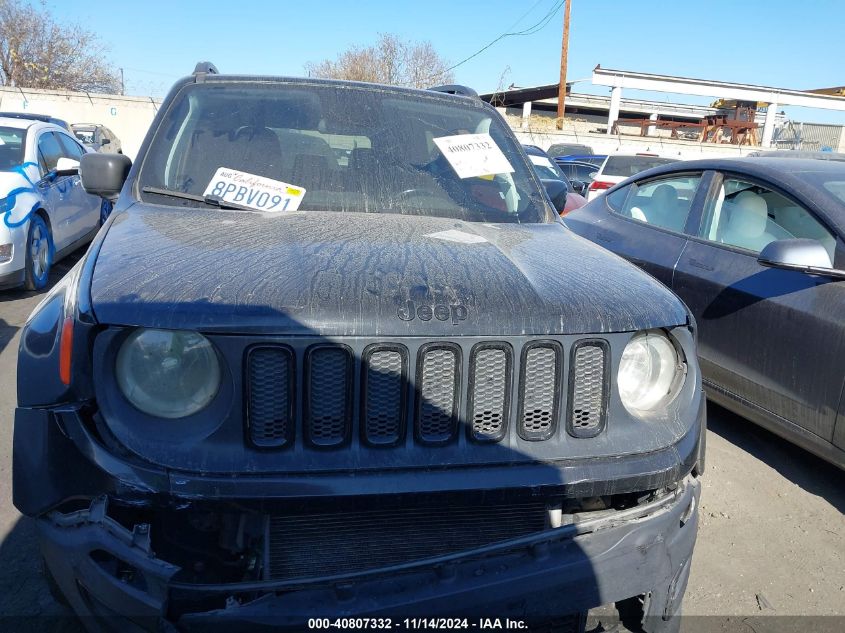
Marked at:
<point>110,575</point>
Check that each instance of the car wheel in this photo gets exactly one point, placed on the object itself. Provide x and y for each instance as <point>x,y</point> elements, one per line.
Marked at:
<point>105,211</point>
<point>39,254</point>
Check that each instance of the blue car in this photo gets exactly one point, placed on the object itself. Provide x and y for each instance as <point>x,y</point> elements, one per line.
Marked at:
<point>593,159</point>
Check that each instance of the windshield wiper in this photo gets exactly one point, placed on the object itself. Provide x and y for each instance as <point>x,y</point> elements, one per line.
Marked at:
<point>173,194</point>
<point>213,201</point>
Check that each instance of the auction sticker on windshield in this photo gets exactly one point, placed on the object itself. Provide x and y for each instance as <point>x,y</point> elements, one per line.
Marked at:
<point>254,192</point>
<point>473,155</point>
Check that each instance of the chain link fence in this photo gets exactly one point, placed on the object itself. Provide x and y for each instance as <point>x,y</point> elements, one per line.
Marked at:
<point>809,137</point>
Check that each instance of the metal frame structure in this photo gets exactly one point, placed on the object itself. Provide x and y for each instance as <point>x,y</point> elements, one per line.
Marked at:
<point>773,97</point>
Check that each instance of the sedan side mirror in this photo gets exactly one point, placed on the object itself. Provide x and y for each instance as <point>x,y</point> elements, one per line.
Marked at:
<point>802,255</point>
<point>66,167</point>
<point>579,186</point>
<point>104,174</point>
<point>105,141</point>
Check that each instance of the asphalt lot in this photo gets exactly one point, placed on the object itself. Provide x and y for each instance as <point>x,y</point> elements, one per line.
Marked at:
<point>771,543</point>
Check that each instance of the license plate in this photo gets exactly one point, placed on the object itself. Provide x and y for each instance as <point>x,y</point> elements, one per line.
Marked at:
<point>254,192</point>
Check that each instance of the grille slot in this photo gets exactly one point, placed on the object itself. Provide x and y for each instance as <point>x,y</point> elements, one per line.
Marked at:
<point>489,391</point>
<point>270,399</point>
<point>329,395</point>
<point>437,388</point>
<point>385,370</point>
<point>539,390</point>
<point>588,382</point>
<point>327,543</point>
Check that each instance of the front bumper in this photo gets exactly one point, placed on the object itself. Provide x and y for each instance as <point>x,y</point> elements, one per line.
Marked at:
<point>644,550</point>
<point>604,557</point>
<point>12,270</point>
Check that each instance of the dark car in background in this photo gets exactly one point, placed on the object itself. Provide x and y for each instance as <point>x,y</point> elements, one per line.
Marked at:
<point>576,170</point>
<point>282,389</point>
<point>564,149</point>
<point>567,195</point>
<point>792,153</point>
<point>754,247</point>
<point>98,137</point>
<point>592,159</point>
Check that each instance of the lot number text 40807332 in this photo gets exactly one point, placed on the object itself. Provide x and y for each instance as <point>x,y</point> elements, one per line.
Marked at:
<point>418,624</point>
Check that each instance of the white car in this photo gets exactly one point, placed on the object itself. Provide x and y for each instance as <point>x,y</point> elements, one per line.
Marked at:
<point>618,167</point>
<point>45,212</point>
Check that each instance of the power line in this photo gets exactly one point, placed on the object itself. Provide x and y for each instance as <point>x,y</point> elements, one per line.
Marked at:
<point>529,31</point>
<point>522,17</point>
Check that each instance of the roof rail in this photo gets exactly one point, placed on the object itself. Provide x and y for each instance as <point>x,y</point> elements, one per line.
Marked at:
<point>205,68</point>
<point>455,89</point>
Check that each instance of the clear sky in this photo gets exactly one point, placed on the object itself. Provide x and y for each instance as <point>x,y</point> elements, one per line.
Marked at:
<point>779,43</point>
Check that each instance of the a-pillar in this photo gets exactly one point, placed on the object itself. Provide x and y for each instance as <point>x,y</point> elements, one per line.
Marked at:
<point>613,113</point>
<point>769,125</point>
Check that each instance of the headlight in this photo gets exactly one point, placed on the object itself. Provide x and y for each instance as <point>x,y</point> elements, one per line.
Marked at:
<point>168,374</point>
<point>651,373</point>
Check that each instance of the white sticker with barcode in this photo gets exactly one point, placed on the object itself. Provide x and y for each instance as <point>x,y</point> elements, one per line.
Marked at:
<point>473,155</point>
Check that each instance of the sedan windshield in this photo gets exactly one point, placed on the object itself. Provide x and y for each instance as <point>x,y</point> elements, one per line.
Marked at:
<point>11,147</point>
<point>350,148</point>
<point>626,166</point>
<point>85,135</point>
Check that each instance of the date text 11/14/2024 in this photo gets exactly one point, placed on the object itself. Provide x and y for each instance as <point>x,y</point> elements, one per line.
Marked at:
<point>417,624</point>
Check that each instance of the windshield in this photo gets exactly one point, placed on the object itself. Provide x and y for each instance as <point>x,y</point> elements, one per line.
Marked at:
<point>630,165</point>
<point>568,150</point>
<point>85,136</point>
<point>11,147</point>
<point>350,148</point>
<point>546,168</point>
<point>836,187</point>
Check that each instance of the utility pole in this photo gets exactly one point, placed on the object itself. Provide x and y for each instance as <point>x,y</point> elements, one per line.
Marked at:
<point>122,87</point>
<point>564,50</point>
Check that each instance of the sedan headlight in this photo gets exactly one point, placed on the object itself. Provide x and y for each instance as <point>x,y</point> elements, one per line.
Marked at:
<point>167,373</point>
<point>651,372</point>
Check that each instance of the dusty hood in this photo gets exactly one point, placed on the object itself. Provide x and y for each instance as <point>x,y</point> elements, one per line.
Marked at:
<point>365,274</point>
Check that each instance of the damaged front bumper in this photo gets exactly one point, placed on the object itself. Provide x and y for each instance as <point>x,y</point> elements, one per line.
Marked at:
<point>110,574</point>
<point>100,543</point>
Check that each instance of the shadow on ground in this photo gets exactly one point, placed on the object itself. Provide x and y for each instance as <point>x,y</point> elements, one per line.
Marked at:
<point>25,601</point>
<point>802,468</point>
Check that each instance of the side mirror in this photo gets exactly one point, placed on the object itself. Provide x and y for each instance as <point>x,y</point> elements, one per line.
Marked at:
<point>105,141</point>
<point>66,167</point>
<point>802,255</point>
<point>104,174</point>
<point>557,191</point>
<point>579,186</point>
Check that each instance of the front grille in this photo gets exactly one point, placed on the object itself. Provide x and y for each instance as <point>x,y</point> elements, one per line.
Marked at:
<point>437,380</point>
<point>329,383</point>
<point>269,401</point>
<point>540,390</point>
<point>588,378</point>
<point>328,543</point>
<point>489,393</point>
<point>384,394</point>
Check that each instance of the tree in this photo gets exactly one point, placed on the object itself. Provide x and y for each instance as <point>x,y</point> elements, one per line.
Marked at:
<point>388,61</point>
<point>36,51</point>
